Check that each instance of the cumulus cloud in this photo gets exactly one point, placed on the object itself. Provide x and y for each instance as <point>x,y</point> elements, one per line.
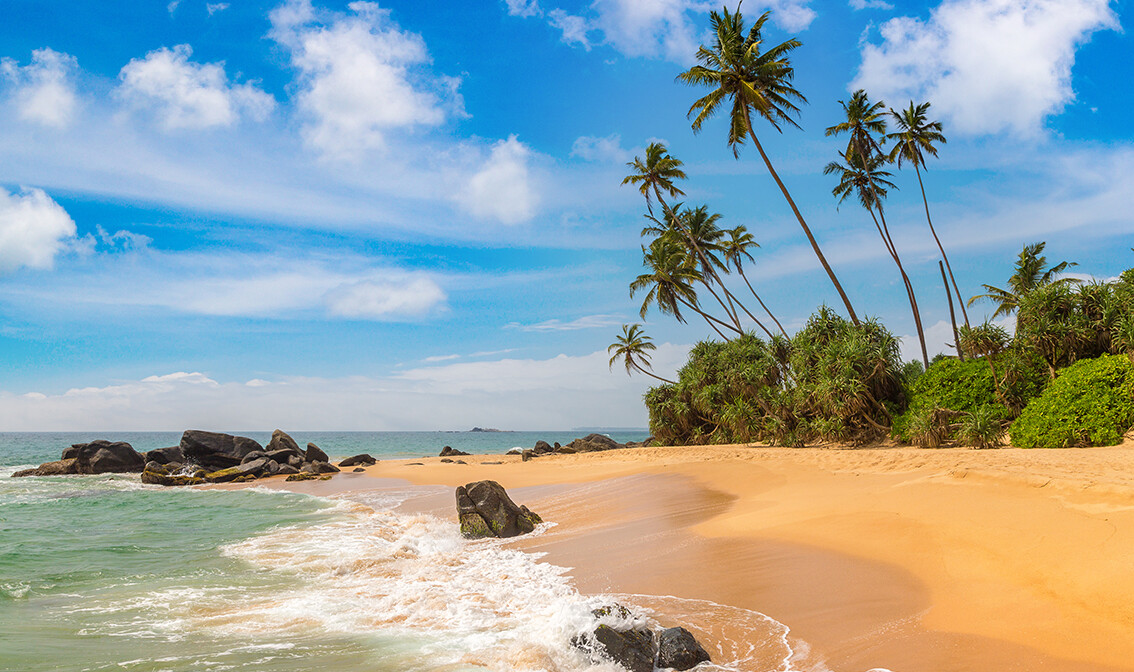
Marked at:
<point>587,322</point>
<point>501,189</point>
<point>213,8</point>
<point>870,4</point>
<point>357,76</point>
<point>190,95</point>
<point>556,393</point>
<point>33,230</point>
<point>377,300</point>
<point>606,150</point>
<point>574,27</point>
<point>44,89</point>
<point>523,7</point>
<point>987,65</point>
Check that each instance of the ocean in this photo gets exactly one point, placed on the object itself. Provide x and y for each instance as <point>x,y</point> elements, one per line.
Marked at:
<point>104,573</point>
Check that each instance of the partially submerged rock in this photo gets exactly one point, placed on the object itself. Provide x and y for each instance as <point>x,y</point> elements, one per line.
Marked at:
<point>96,457</point>
<point>57,468</point>
<point>363,460</point>
<point>622,638</point>
<point>165,455</point>
<point>485,510</point>
<point>171,474</point>
<point>679,649</point>
<point>216,451</point>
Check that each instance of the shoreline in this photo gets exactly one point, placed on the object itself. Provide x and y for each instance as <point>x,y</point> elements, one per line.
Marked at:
<point>901,558</point>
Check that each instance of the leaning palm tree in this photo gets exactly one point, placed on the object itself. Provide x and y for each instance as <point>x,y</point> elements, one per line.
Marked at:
<point>1031,273</point>
<point>656,174</point>
<point>861,175</point>
<point>914,139</point>
<point>632,347</point>
<point>735,250</point>
<point>756,83</point>
<point>669,281</point>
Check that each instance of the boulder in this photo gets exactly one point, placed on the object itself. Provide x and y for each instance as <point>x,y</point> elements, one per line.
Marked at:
<point>678,649</point>
<point>557,446</point>
<point>594,442</point>
<point>566,450</point>
<point>452,452</point>
<point>287,469</point>
<point>318,468</point>
<point>57,468</point>
<point>216,451</point>
<point>254,455</point>
<point>357,470</point>
<point>287,456</point>
<point>255,468</point>
<point>362,460</point>
<point>281,441</point>
<point>71,452</point>
<point>105,457</point>
<point>306,477</point>
<point>515,451</point>
<point>542,447</point>
<point>526,455</point>
<point>163,474</point>
<point>485,510</point>
<point>165,455</point>
<point>632,649</point>
<point>315,454</point>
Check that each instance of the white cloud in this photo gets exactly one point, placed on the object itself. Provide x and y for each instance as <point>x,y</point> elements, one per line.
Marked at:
<point>213,8</point>
<point>870,4</point>
<point>556,393</point>
<point>502,189</point>
<point>587,322</point>
<point>440,358</point>
<point>172,6</point>
<point>356,76</point>
<point>187,94</point>
<point>986,65</point>
<point>44,89</point>
<point>607,150</point>
<point>33,230</point>
<point>574,27</point>
<point>369,299</point>
<point>523,7</point>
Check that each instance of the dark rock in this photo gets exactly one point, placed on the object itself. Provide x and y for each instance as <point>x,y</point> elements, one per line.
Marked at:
<point>460,462</point>
<point>566,450</point>
<point>255,468</point>
<point>677,648</point>
<point>290,456</point>
<point>314,454</point>
<point>156,466</point>
<point>515,451</point>
<point>165,455</point>
<point>287,469</point>
<point>485,509</point>
<point>557,446</point>
<point>71,452</point>
<point>542,447</point>
<point>492,463</point>
<point>632,649</point>
<point>164,477</point>
<point>281,441</point>
<point>452,452</point>
<point>358,460</point>
<point>594,442</point>
<point>446,459</point>
<point>57,468</point>
<point>216,451</point>
<point>527,455</point>
<point>254,455</point>
<point>615,609</point>
<point>323,468</point>
<point>271,468</point>
<point>358,469</point>
<point>415,464</point>
<point>306,477</point>
<point>104,457</point>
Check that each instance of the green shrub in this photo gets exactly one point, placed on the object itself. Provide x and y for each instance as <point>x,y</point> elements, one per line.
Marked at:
<point>947,384</point>
<point>1090,403</point>
<point>982,427</point>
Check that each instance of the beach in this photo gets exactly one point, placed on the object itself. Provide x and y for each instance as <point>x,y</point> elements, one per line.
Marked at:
<point>894,558</point>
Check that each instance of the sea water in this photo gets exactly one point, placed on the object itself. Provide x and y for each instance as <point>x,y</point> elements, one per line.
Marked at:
<point>104,573</point>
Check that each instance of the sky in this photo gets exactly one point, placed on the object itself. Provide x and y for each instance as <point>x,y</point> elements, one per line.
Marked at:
<point>397,215</point>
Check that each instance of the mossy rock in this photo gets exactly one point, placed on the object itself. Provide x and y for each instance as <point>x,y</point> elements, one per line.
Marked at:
<point>304,476</point>
<point>473,526</point>
<point>224,475</point>
<point>154,477</point>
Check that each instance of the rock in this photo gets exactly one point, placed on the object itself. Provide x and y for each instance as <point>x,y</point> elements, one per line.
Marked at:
<point>71,452</point>
<point>566,450</point>
<point>216,451</point>
<point>460,462</point>
<point>155,466</point>
<point>321,468</point>
<point>358,469</point>
<point>163,477</point>
<point>678,649</point>
<point>303,477</point>
<point>415,464</point>
<point>632,649</point>
<point>281,441</point>
<point>271,468</point>
<point>615,609</point>
<point>287,469</point>
<point>254,469</point>
<point>515,451</point>
<point>452,452</point>
<point>314,454</point>
<point>485,509</point>
<point>594,442</point>
<point>165,455</point>
<point>254,455</point>
<point>542,447</point>
<point>492,463</point>
<point>57,468</point>
<point>447,460</point>
<point>105,457</point>
<point>358,460</point>
<point>557,446</point>
<point>527,455</point>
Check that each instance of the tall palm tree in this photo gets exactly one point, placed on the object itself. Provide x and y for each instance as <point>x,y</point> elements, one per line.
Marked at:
<point>656,174</point>
<point>865,120</point>
<point>757,83</point>
<point>861,175</point>
<point>669,283</point>
<point>914,139</point>
<point>633,347</point>
<point>735,250</point>
<point>1031,272</point>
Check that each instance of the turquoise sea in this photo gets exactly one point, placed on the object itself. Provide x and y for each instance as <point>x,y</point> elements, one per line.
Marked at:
<point>104,573</point>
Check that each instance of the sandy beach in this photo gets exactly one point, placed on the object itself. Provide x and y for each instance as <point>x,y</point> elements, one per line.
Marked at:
<point>899,558</point>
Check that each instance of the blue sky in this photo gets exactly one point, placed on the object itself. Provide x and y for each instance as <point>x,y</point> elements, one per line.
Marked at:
<point>329,215</point>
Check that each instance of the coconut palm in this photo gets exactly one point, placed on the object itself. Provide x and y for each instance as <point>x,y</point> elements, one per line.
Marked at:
<point>656,174</point>
<point>735,250</point>
<point>861,174</point>
<point>669,282</point>
<point>865,120</point>
<point>1031,272</point>
<point>757,83</point>
<point>914,139</point>
<point>633,347</point>
<point>986,340</point>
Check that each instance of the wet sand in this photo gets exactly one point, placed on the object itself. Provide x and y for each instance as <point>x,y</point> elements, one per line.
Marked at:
<point>906,559</point>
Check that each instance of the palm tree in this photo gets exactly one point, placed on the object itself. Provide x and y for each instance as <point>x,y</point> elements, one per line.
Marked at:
<point>864,121</point>
<point>669,282</point>
<point>656,174</point>
<point>914,139</point>
<point>735,249</point>
<point>633,346</point>
<point>1031,272</point>
<point>756,83</point>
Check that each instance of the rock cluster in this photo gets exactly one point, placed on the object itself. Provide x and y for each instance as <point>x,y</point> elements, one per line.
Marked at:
<point>449,451</point>
<point>96,457</point>
<point>363,460</point>
<point>485,510</point>
<point>588,444</point>
<point>619,637</point>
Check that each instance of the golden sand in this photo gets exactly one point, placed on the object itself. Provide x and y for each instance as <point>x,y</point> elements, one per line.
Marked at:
<point>908,559</point>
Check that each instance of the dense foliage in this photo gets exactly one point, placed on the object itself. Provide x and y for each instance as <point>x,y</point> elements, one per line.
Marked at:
<point>1090,403</point>
<point>833,381</point>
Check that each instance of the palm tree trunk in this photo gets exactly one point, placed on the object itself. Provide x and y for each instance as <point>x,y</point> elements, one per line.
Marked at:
<point>760,301</point>
<point>944,256</point>
<point>710,319</point>
<point>799,217</point>
<point>651,375</point>
<point>893,250</point>
<point>952,315</point>
<point>753,318</point>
